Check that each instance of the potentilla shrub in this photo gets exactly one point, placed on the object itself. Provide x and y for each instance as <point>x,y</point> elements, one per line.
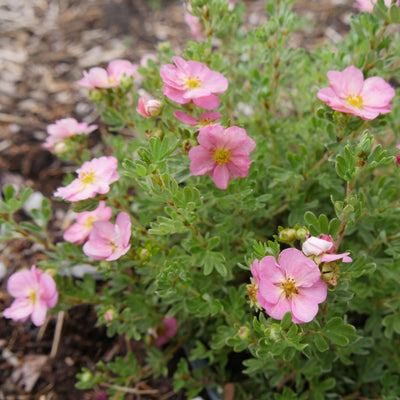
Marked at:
<point>248,225</point>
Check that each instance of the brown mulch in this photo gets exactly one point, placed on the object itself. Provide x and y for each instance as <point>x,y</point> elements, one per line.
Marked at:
<point>44,46</point>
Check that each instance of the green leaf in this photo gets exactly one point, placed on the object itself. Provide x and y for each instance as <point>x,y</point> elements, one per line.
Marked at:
<point>338,332</point>
<point>286,320</point>
<point>320,343</point>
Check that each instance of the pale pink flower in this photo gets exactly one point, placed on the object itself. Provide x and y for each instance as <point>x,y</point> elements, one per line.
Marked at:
<point>368,5</point>
<point>222,153</point>
<point>291,284</point>
<point>166,330</point>
<point>194,23</point>
<point>34,292</point>
<point>108,241</point>
<point>148,107</point>
<point>100,78</point>
<point>316,246</point>
<point>109,315</point>
<point>192,81</point>
<point>348,92</point>
<point>64,129</point>
<point>203,120</point>
<point>94,177</point>
<point>79,231</point>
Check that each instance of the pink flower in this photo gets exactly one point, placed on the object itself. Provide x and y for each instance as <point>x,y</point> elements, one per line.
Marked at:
<point>222,153</point>
<point>349,93</point>
<point>108,241</point>
<point>368,5</point>
<point>99,78</point>
<point>65,128</point>
<point>35,292</point>
<point>316,246</point>
<point>203,120</point>
<point>148,108</point>
<point>79,232</point>
<point>192,81</point>
<point>398,155</point>
<point>194,24</point>
<point>165,331</point>
<point>94,177</point>
<point>291,284</point>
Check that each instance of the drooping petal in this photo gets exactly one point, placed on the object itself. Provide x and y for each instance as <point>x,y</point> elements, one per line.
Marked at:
<point>185,118</point>
<point>208,102</point>
<point>334,257</point>
<point>20,309</point>
<point>221,176</point>
<point>39,312</point>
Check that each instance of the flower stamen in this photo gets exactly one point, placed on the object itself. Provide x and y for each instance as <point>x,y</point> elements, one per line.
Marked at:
<point>87,177</point>
<point>222,156</point>
<point>355,100</point>
<point>289,287</point>
<point>193,82</point>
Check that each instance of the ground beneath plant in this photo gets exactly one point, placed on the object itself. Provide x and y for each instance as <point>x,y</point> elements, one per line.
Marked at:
<point>44,47</point>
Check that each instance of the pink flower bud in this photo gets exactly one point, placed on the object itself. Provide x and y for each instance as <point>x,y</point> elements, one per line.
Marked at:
<point>148,108</point>
<point>109,315</point>
<point>314,246</point>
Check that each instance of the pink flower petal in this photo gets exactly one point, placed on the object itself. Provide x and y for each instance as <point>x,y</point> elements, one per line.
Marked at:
<point>221,176</point>
<point>279,309</point>
<point>269,270</point>
<point>304,308</point>
<point>377,93</point>
<point>202,161</point>
<point>21,283</point>
<point>39,313</point>
<point>298,267</point>
<point>185,118</point>
<point>208,103</point>
<point>20,309</point>
<point>334,257</point>
<point>318,291</point>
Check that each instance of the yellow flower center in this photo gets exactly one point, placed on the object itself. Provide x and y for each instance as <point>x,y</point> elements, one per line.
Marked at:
<point>289,287</point>
<point>355,100</point>
<point>89,221</point>
<point>111,79</point>
<point>193,82</point>
<point>32,296</point>
<point>204,122</point>
<point>222,156</point>
<point>87,177</point>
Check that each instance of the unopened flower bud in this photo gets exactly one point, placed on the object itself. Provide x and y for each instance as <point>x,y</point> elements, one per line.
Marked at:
<point>301,233</point>
<point>287,235</point>
<point>148,108</point>
<point>109,315</point>
<point>243,332</point>
<point>314,246</point>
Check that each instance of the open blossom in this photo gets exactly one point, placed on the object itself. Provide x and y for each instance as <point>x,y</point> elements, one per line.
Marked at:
<point>321,246</point>
<point>292,284</point>
<point>164,331</point>
<point>194,23</point>
<point>148,107</point>
<point>222,153</point>
<point>34,292</point>
<point>368,5</point>
<point>348,92</point>
<point>192,81</point>
<point>203,120</point>
<point>100,78</point>
<point>64,129</point>
<point>94,177</point>
<point>79,231</point>
<point>108,241</point>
